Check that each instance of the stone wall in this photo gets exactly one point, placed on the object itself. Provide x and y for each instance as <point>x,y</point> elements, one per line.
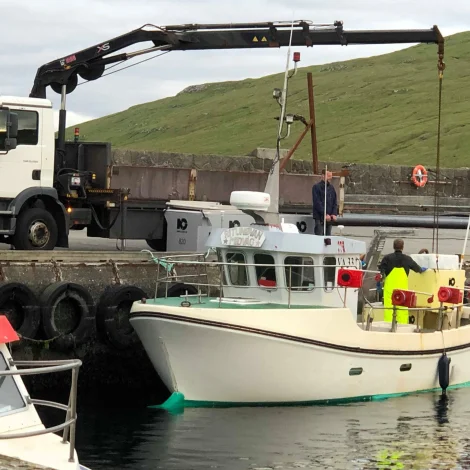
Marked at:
<point>363,178</point>
<point>390,185</point>
<point>105,369</point>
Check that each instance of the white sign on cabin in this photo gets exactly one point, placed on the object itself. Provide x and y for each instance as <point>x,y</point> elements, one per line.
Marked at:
<point>242,236</point>
<point>352,261</point>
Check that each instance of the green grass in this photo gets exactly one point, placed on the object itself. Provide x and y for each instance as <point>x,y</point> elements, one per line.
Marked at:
<point>381,110</point>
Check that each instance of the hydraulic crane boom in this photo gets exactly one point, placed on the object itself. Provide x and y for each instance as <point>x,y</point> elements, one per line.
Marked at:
<point>90,63</point>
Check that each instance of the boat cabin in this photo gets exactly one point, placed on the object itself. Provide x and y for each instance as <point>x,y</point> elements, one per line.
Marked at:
<point>277,264</point>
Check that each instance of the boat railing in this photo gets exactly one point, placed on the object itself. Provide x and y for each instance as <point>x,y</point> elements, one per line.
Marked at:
<point>441,311</point>
<point>49,367</point>
<point>174,266</point>
<point>171,268</point>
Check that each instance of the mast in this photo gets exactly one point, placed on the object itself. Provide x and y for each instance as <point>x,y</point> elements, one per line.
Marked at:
<point>272,184</point>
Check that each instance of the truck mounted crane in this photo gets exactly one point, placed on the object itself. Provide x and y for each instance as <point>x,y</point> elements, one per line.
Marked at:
<point>48,185</point>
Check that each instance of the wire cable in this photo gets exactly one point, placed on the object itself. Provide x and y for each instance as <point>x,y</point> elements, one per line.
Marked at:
<point>124,68</point>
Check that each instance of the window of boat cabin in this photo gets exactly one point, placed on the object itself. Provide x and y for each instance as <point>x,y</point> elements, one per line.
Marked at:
<point>301,276</point>
<point>237,269</point>
<point>265,275</point>
<point>329,272</point>
<point>10,397</point>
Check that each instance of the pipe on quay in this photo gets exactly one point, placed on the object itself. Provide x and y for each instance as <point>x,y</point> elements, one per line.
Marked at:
<point>414,221</point>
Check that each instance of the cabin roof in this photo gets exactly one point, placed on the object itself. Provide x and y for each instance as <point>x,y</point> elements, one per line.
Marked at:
<point>263,239</point>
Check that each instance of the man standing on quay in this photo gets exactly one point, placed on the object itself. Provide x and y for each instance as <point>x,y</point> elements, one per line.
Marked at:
<point>318,196</point>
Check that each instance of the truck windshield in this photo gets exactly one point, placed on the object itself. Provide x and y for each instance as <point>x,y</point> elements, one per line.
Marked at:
<point>10,397</point>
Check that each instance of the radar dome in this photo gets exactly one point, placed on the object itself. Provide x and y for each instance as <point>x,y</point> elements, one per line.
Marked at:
<point>250,200</point>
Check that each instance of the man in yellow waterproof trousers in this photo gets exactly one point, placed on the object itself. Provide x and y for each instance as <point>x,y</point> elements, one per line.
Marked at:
<point>395,268</point>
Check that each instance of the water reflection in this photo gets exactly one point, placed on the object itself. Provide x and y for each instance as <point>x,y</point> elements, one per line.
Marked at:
<point>418,432</point>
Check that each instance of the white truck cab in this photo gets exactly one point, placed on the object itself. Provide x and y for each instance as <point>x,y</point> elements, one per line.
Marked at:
<point>31,216</point>
<point>31,163</point>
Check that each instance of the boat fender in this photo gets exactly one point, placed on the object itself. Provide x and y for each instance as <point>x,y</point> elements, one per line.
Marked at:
<point>77,309</point>
<point>20,305</point>
<point>443,367</point>
<point>179,289</point>
<point>112,315</point>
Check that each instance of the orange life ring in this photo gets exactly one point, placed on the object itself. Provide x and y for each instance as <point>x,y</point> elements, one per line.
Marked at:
<point>419,177</point>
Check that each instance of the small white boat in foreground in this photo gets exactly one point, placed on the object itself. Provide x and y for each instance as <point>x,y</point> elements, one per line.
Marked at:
<point>284,328</point>
<point>23,437</point>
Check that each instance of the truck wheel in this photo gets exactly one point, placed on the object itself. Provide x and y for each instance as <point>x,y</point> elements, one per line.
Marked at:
<point>157,244</point>
<point>36,229</point>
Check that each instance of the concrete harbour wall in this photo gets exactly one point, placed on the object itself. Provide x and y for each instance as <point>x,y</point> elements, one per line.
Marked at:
<point>390,185</point>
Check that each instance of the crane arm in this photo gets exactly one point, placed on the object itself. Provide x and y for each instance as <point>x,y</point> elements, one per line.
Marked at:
<point>90,63</point>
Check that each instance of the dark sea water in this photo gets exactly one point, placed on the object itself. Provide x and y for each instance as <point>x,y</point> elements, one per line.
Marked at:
<point>422,431</point>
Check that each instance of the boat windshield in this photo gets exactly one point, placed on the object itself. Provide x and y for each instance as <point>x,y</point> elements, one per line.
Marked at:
<point>10,396</point>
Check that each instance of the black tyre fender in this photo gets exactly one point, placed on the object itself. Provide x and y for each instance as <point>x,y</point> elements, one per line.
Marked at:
<point>25,221</point>
<point>112,315</point>
<point>179,289</point>
<point>20,305</point>
<point>66,338</point>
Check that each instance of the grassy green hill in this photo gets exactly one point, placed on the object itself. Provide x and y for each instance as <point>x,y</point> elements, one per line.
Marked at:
<point>375,110</point>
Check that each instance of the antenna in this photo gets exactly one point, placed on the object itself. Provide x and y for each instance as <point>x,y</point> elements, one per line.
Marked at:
<point>284,92</point>
<point>272,184</point>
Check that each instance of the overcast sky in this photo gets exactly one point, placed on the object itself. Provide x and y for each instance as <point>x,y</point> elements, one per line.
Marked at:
<point>38,31</point>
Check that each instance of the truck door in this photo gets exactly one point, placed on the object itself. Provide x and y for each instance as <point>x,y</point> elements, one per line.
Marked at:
<point>20,168</point>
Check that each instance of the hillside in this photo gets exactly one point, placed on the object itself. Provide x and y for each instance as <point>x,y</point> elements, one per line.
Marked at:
<point>381,109</point>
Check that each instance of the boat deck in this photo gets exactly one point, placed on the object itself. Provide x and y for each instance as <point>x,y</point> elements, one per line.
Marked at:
<point>225,303</point>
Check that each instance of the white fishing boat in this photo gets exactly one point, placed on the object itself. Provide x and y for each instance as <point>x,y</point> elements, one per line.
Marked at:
<point>282,327</point>
<point>24,440</point>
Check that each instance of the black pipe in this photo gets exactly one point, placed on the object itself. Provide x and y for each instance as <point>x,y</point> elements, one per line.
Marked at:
<point>61,133</point>
<point>60,146</point>
<point>413,221</point>
<point>81,158</point>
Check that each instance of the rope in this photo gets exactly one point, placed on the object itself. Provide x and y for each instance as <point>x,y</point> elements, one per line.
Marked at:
<point>435,230</point>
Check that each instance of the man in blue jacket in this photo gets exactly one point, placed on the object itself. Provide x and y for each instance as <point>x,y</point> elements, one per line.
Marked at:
<point>318,196</point>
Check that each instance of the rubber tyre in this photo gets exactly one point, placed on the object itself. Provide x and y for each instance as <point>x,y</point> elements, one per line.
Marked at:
<point>83,328</point>
<point>27,218</point>
<point>179,289</point>
<point>112,316</point>
<point>26,301</point>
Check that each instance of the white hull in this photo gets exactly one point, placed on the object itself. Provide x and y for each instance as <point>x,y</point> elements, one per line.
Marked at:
<point>235,363</point>
<point>19,416</point>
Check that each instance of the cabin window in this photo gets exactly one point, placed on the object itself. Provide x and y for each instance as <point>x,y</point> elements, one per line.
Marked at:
<point>237,271</point>
<point>10,397</point>
<point>329,272</point>
<point>265,275</point>
<point>28,129</point>
<point>301,276</point>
